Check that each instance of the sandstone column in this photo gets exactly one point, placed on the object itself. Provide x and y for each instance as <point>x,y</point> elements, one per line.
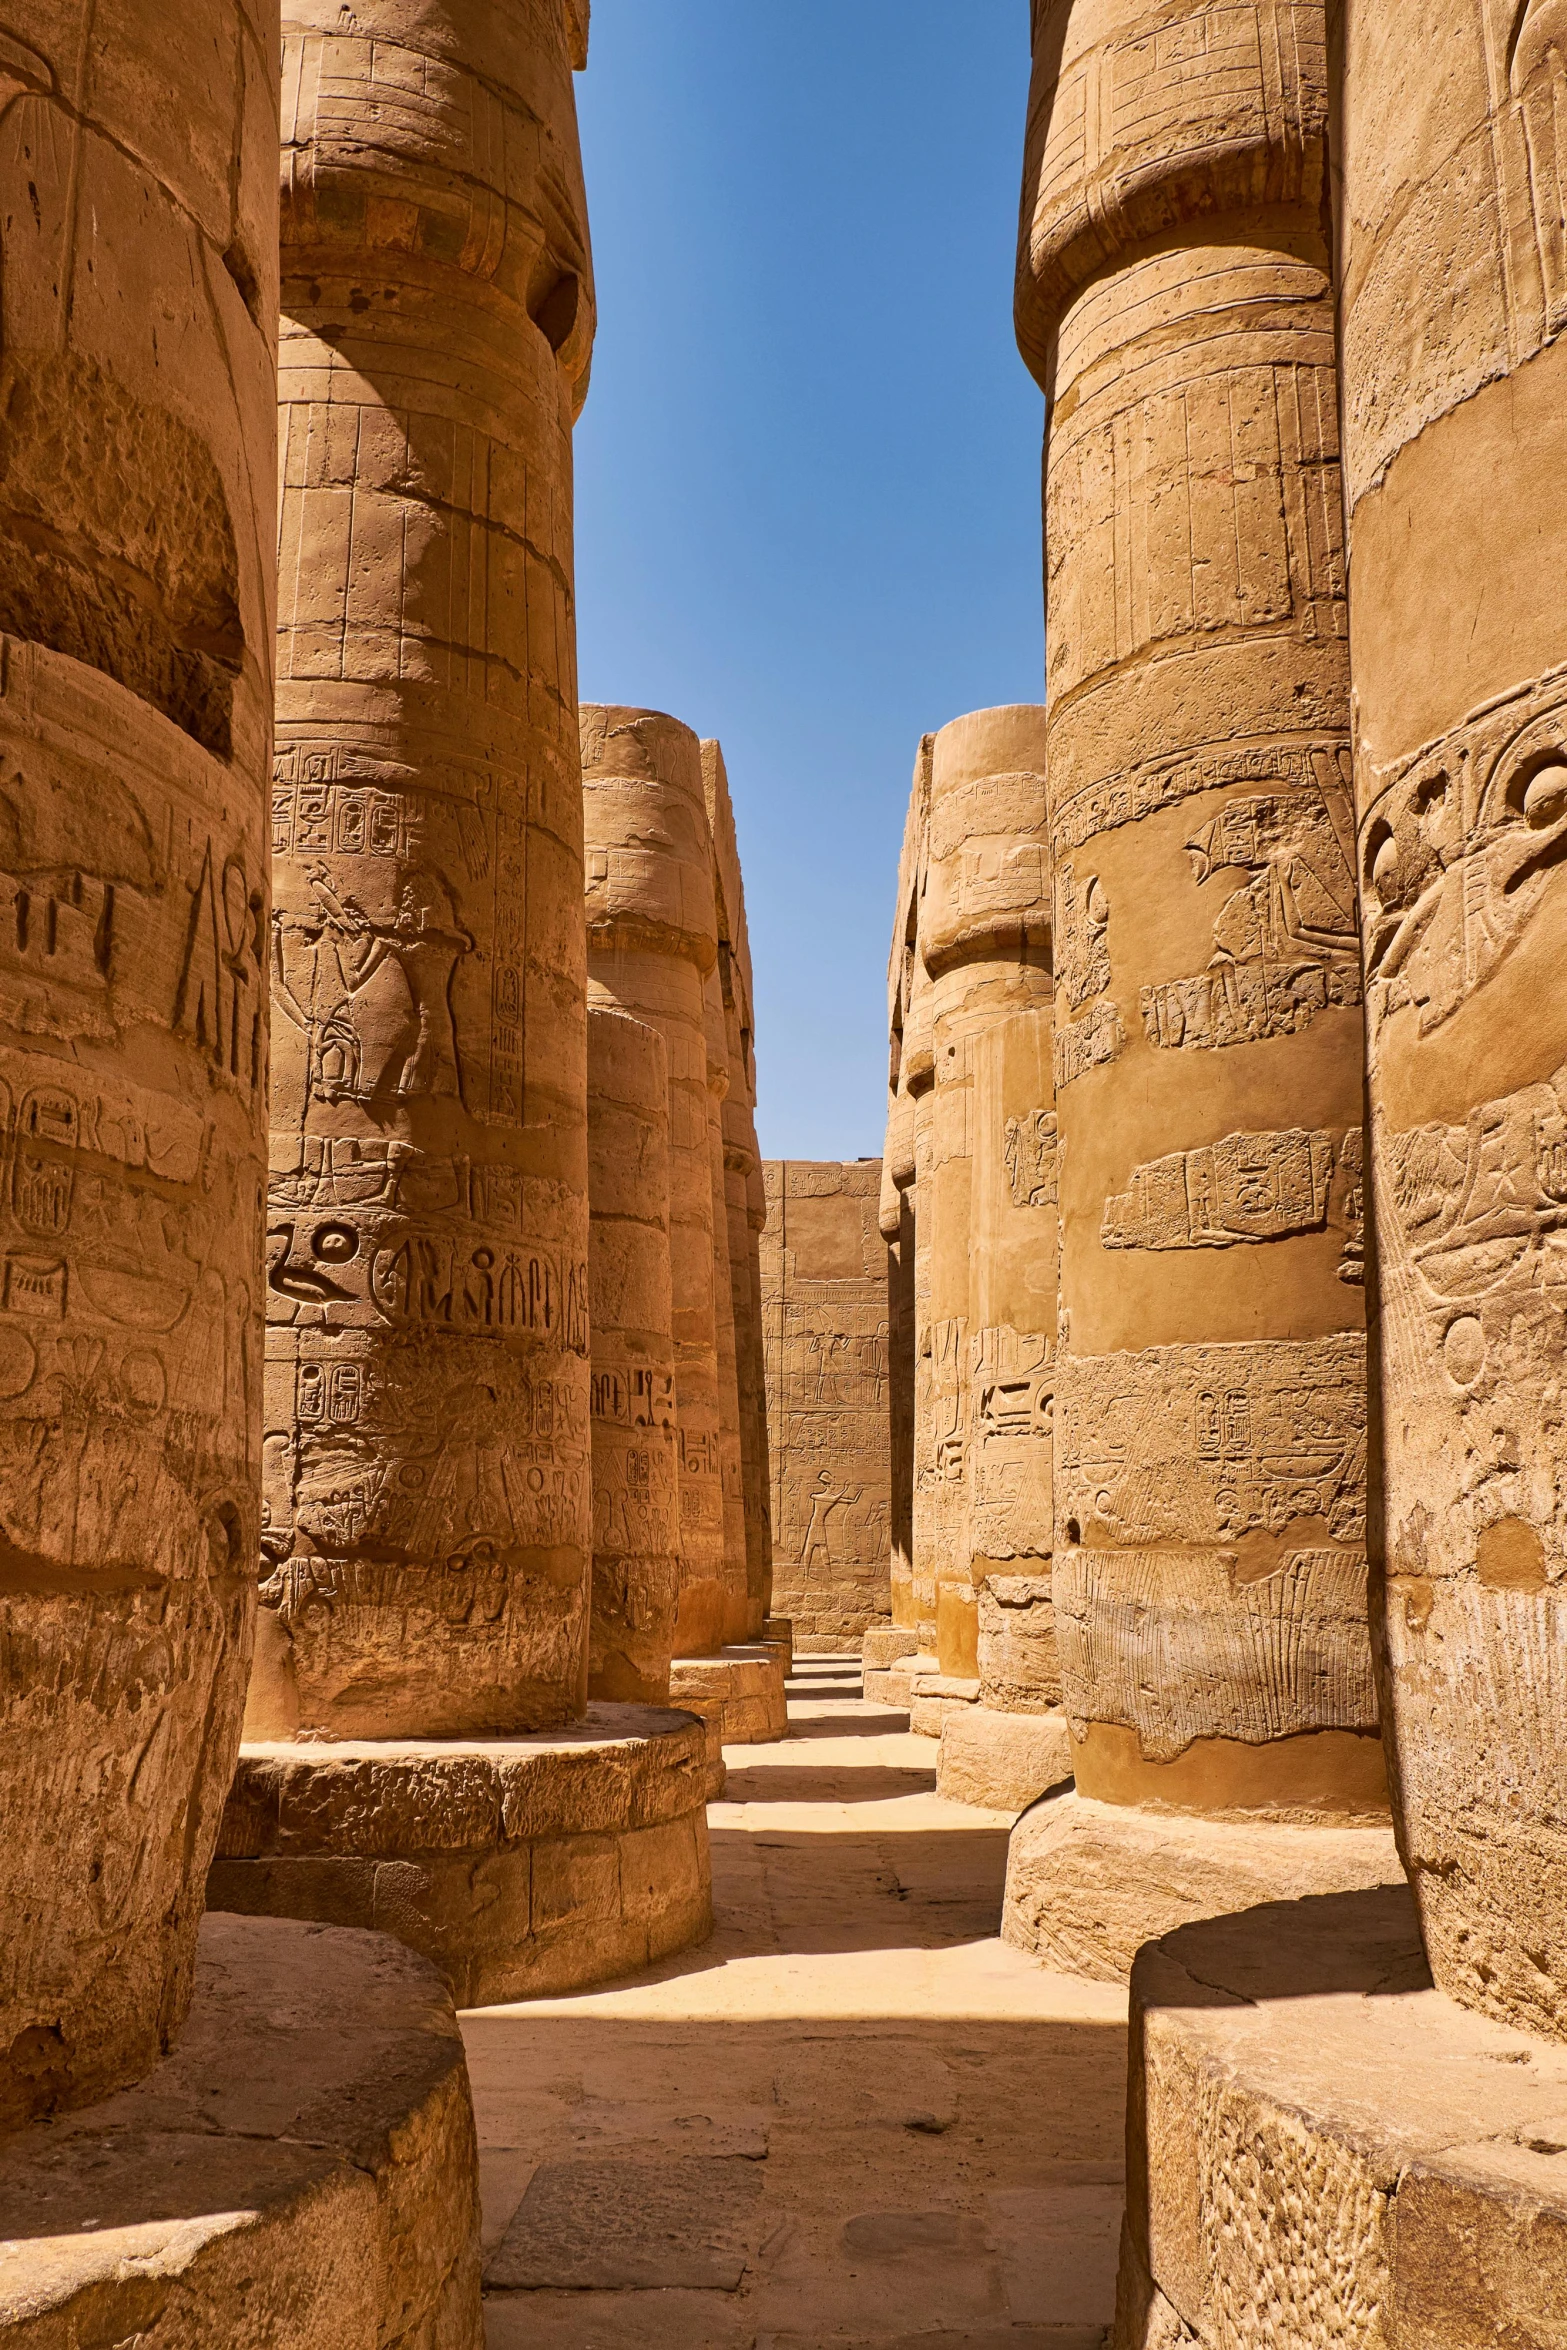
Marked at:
<point>1210,1577</point>
<point>917,1077</point>
<point>744,1197</point>
<point>652,942</point>
<point>986,941</point>
<point>428,1505</point>
<point>636,1445</point>
<point>429,1486</point>
<point>1454,300</point>
<point>737,1611</point>
<point>137,374</point>
<point>898,1208</point>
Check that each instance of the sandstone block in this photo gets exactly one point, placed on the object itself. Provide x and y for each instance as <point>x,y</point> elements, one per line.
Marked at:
<point>1019,1668</point>
<point>1001,1760</point>
<point>885,1644</point>
<point>521,1867</point>
<point>1324,2148</point>
<point>933,1699</point>
<point>741,1689</point>
<point>302,2170</point>
<point>1089,1883</point>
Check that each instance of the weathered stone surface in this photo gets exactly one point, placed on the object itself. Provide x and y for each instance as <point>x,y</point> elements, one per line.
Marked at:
<point>1000,1760</point>
<point>933,1697</point>
<point>1454,373</point>
<point>743,1194</point>
<point>907,1068</point>
<point>521,1867</point>
<point>1175,301</point>
<point>1019,1668</point>
<point>741,1689</point>
<point>825,1306</point>
<point>652,940</point>
<point>1323,2148</point>
<point>636,1444</point>
<point>428,1504</point>
<point>1089,1883</point>
<point>138,385</point>
<point>618,2226</point>
<point>884,1644</point>
<point>302,2170</point>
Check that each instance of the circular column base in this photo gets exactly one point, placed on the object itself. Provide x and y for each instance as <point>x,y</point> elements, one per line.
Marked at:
<point>1002,1761</point>
<point>1325,2149</point>
<point>741,1688</point>
<point>887,1644</point>
<point>779,1629</point>
<point>523,1867</point>
<point>1088,1883</point>
<point>895,1684</point>
<point>933,1701</point>
<point>301,2170</point>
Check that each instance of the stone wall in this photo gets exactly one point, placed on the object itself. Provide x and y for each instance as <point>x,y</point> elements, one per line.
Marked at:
<point>825,1318</point>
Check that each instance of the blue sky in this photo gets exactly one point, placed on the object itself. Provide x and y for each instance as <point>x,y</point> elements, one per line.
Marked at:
<point>808,470</point>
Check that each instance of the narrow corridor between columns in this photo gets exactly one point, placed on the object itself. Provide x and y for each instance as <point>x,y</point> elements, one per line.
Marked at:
<point>852,2120</point>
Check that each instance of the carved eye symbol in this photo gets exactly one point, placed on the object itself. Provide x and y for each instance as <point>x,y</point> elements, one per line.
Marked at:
<point>334,1244</point>
<point>1384,865</point>
<point>1545,796</point>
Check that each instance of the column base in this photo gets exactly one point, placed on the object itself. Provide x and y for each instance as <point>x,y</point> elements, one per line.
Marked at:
<point>302,2169</point>
<point>1088,1883</point>
<point>935,1697</point>
<point>1324,2149</point>
<point>779,1630</point>
<point>1003,1761</point>
<point>895,1685</point>
<point>742,1689</point>
<point>885,1644</point>
<point>523,1867</point>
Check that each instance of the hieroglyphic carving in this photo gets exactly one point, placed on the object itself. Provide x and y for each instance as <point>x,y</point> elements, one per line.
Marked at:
<point>1090,1043</point>
<point>1145,788</point>
<point>1179,1645</point>
<point>1082,951</point>
<point>1030,1150</point>
<point>1285,944</point>
<point>1209,1443</point>
<point>1019,1664</point>
<point>1012,1385</point>
<point>1249,1187</point>
<point>825,1295</point>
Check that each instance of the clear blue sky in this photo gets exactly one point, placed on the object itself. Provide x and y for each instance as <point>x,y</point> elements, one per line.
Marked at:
<point>808,470</point>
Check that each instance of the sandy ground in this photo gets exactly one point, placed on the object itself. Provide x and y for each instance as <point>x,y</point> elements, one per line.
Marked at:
<point>851,2119</point>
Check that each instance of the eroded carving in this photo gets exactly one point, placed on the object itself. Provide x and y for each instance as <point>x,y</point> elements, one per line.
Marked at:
<point>1249,1187</point>
<point>1089,1043</point>
<point>1030,1150</point>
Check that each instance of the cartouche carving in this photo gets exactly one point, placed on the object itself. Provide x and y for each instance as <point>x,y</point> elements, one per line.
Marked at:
<point>1249,1187</point>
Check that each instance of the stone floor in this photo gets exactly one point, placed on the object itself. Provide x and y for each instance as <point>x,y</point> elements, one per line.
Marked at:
<point>854,2120</point>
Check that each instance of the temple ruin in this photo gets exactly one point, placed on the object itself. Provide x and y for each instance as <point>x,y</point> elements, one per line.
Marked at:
<point>611,1742</point>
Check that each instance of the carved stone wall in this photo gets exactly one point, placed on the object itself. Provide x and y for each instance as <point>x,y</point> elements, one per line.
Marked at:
<point>138,386</point>
<point>985,940</point>
<point>824,1286</point>
<point>745,1202</point>
<point>652,940</point>
<point>1455,392</point>
<point>428,1482</point>
<point>636,1443</point>
<point>1175,302</point>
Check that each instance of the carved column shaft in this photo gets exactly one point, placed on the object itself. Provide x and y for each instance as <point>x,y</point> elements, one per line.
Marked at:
<point>652,939</point>
<point>138,386</point>
<point>917,1079</point>
<point>985,939</point>
<point>636,1443</point>
<point>1175,301</point>
<point>737,1610</point>
<point>899,1201</point>
<point>427,1448</point>
<point>1455,395</point>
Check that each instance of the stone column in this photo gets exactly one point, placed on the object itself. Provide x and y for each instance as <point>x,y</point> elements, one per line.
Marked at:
<point>1455,379</point>
<point>137,380</point>
<point>744,1197</point>
<point>985,932</point>
<point>427,1493</point>
<point>737,1609</point>
<point>636,1444</point>
<point>1210,1574</point>
<point>917,1078</point>
<point>651,941</point>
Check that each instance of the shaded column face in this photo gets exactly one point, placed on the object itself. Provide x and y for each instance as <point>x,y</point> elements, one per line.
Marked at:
<point>825,1265</point>
<point>737,1611</point>
<point>651,941</point>
<point>897,1230</point>
<point>931,1502</point>
<point>985,930</point>
<point>1210,1578</point>
<point>427,1428</point>
<point>138,383</point>
<point>636,1443</point>
<point>1455,447</point>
